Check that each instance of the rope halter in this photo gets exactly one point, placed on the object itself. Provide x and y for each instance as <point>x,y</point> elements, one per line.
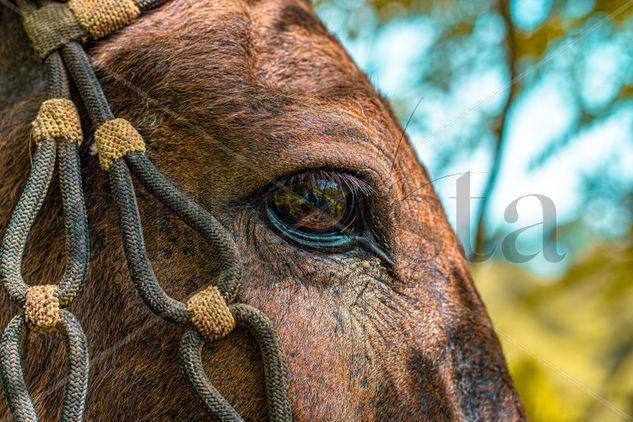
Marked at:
<point>56,31</point>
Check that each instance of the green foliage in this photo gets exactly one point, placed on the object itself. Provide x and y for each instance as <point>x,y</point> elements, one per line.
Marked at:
<point>568,342</point>
<point>463,46</point>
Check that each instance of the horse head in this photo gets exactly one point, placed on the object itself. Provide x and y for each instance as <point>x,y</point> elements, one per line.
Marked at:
<point>254,110</point>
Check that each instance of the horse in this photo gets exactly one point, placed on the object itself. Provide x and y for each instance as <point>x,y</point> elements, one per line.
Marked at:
<point>241,101</point>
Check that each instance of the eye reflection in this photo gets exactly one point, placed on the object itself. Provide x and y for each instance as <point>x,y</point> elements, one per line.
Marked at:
<point>322,211</point>
<point>317,206</point>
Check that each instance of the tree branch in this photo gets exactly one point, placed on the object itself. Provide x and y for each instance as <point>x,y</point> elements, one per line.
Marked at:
<point>500,129</point>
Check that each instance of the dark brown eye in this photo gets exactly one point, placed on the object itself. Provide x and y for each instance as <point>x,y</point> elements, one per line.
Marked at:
<point>323,211</point>
<point>318,210</point>
<point>317,206</point>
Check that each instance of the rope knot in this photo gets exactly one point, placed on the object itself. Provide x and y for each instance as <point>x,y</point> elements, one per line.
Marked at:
<point>114,139</point>
<point>210,314</point>
<point>57,119</point>
<point>103,17</point>
<point>56,24</point>
<point>41,309</point>
<point>52,26</point>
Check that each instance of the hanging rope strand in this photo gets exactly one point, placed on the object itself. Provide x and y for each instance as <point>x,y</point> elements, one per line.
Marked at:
<point>87,83</point>
<point>22,219</point>
<point>56,127</point>
<point>122,156</point>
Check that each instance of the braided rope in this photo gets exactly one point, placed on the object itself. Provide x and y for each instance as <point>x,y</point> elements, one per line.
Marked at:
<point>190,361</point>
<point>119,146</point>
<point>75,222</point>
<point>80,70</point>
<point>196,217</point>
<point>22,219</point>
<point>12,375</point>
<point>275,369</point>
<point>56,125</point>
<point>141,270</point>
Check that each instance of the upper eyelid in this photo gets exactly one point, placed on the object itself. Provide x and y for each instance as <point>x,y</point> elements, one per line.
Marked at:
<point>254,199</point>
<point>344,178</point>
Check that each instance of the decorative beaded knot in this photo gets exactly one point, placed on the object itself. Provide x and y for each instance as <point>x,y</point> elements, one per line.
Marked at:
<point>210,314</point>
<point>41,309</point>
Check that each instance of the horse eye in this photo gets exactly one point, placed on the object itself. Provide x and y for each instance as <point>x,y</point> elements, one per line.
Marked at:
<point>320,212</point>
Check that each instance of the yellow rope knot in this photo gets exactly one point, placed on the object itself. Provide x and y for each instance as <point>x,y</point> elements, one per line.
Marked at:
<point>210,314</point>
<point>57,119</point>
<point>41,309</point>
<point>114,139</point>
<point>103,17</point>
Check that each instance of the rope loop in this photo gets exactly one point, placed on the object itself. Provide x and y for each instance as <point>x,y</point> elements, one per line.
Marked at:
<point>57,119</point>
<point>210,314</point>
<point>23,219</point>
<point>197,217</point>
<point>114,139</point>
<point>15,390</point>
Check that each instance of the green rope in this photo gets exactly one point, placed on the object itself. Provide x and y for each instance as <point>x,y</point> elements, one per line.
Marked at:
<point>75,273</point>
<point>22,219</point>
<point>13,382</point>
<point>275,369</point>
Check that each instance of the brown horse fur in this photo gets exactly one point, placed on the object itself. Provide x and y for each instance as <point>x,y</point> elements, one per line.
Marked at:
<point>230,96</point>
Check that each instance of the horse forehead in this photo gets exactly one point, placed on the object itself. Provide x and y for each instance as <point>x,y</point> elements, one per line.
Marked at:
<point>295,50</point>
<point>232,43</point>
<point>254,71</point>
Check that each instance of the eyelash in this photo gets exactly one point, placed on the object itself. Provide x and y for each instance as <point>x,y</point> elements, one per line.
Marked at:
<point>347,180</point>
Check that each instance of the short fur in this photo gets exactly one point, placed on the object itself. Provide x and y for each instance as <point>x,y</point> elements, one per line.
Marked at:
<point>231,95</point>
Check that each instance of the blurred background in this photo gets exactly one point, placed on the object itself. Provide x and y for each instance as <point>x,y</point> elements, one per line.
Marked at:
<point>525,98</point>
